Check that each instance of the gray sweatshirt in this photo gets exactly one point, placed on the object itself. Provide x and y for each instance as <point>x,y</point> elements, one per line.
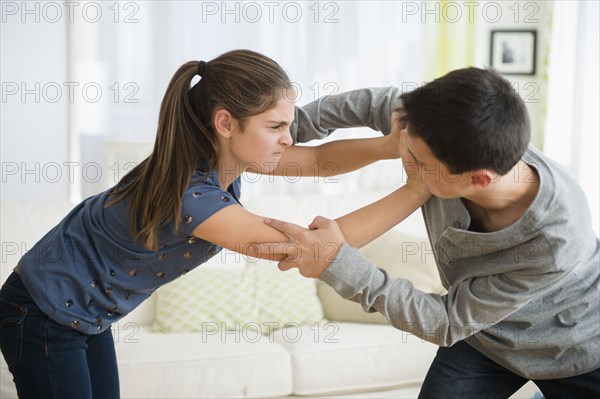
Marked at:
<point>526,296</point>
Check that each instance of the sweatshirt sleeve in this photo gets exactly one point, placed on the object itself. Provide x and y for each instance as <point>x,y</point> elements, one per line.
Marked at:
<point>370,107</point>
<point>355,278</point>
<point>476,304</point>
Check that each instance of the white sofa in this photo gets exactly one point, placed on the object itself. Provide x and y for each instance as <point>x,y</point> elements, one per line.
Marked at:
<point>348,353</point>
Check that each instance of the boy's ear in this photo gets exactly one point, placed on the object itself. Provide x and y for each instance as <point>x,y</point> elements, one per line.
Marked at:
<point>481,177</point>
<point>224,123</point>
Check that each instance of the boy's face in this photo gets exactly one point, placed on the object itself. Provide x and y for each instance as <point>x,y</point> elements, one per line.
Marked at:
<point>434,173</point>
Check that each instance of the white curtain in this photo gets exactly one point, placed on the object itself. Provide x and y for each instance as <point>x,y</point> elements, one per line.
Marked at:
<point>572,127</point>
<point>325,47</point>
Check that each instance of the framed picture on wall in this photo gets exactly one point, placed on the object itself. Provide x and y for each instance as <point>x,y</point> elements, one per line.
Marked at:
<point>512,52</point>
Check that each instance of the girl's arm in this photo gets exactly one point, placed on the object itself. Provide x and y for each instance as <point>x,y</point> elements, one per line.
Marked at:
<point>238,230</point>
<point>339,157</point>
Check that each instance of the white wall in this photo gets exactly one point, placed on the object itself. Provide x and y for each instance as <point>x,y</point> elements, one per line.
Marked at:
<point>34,119</point>
<point>519,15</point>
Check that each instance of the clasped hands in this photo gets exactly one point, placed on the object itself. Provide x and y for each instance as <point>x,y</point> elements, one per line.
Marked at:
<point>310,250</point>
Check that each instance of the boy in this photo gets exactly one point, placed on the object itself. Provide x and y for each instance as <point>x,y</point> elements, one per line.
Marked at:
<point>511,235</point>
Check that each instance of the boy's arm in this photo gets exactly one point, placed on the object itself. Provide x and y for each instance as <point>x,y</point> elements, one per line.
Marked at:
<point>474,304</point>
<point>357,229</point>
<point>366,224</point>
<point>371,107</point>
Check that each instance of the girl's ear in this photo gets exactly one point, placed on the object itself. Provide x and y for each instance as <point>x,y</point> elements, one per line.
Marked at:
<point>224,123</point>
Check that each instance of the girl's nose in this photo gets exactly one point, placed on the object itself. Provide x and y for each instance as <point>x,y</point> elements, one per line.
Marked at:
<point>286,138</point>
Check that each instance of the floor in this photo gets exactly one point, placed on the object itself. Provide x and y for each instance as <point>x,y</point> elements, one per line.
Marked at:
<point>526,392</point>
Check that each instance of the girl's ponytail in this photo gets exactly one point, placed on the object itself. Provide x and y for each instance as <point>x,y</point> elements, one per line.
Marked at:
<point>156,186</point>
<point>243,82</point>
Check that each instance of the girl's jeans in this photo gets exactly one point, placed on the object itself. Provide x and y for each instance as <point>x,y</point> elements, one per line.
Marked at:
<point>49,360</point>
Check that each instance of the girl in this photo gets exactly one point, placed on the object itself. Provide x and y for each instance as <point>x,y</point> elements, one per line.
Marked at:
<point>161,220</point>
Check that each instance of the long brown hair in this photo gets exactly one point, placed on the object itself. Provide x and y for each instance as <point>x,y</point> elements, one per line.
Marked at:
<point>243,82</point>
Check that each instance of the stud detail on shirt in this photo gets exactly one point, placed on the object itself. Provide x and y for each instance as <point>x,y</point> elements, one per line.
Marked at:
<point>112,272</point>
<point>108,290</point>
<point>187,255</point>
<point>162,256</point>
<point>225,199</point>
<point>160,274</point>
<point>132,272</point>
<point>74,324</point>
<point>191,239</point>
<point>187,219</point>
<point>184,272</point>
<point>94,283</point>
<point>196,194</point>
<point>69,303</point>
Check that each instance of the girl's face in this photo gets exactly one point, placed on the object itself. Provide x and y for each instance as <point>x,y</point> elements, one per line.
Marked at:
<point>264,137</point>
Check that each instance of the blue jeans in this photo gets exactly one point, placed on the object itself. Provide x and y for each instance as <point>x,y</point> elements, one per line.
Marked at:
<point>49,360</point>
<point>462,372</point>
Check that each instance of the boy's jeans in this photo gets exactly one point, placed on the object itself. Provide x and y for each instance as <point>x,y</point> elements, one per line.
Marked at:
<point>460,371</point>
<point>49,360</point>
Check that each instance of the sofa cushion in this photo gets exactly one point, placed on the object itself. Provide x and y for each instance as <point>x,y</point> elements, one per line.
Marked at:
<point>204,296</point>
<point>337,357</point>
<point>258,296</point>
<point>285,297</point>
<point>402,256</point>
<point>212,364</point>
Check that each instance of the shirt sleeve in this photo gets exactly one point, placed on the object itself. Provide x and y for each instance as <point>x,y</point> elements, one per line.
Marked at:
<point>370,107</point>
<point>201,201</point>
<point>475,304</point>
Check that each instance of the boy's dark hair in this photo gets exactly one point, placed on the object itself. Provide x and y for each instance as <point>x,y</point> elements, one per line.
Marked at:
<point>471,119</point>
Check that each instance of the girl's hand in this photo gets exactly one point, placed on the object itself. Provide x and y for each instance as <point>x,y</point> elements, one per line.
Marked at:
<point>415,179</point>
<point>396,142</point>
